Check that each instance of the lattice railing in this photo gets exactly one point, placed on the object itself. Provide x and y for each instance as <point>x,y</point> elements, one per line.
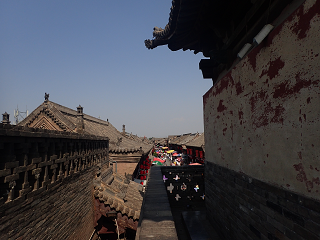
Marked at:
<point>34,161</point>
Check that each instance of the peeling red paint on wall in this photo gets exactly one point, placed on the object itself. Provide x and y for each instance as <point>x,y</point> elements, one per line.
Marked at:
<point>284,89</point>
<point>239,88</point>
<point>223,84</point>
<point>260,121</point>
<point>273,33</point>
<point>252,57</point>
<point>302,176</point>
<point>308,100</point>
<point>267,114</point>
<point>206,96</point>
<point>289,83</point>
<point>274,68</point>
<point>278,114</point>
<point>221,107</point>
<point>316,180</point>
<point>240,115</point>
<point>303,25</point>
<point>259,96</point>
<point>224,131</point>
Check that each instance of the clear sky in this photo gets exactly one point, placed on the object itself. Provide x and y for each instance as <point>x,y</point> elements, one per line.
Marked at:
<point>92,53</point>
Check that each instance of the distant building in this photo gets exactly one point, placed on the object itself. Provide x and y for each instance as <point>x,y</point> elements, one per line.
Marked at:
<point>127,152</point>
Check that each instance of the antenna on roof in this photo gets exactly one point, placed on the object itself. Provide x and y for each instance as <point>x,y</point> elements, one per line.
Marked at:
<point>19,116</point>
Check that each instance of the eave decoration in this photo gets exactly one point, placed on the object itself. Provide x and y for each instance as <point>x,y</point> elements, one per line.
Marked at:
<point>218,29</point>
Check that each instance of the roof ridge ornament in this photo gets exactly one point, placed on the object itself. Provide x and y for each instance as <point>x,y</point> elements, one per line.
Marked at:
<point>46,97</point>
<point>162,35</point>
<point>5,118</point>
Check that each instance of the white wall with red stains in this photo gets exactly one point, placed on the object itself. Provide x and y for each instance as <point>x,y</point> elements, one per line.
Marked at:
<point>263,117</point>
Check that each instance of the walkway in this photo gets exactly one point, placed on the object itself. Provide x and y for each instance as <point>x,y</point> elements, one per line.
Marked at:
<point>163,217</point>
<point>156,221</point>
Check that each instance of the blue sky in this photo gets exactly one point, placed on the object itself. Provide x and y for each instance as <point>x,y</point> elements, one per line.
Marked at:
<point>92,53</point>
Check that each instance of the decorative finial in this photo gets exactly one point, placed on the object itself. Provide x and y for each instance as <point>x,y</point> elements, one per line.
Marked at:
<point>46,97</point>
<point>5,118</point>
<point>80,110</point>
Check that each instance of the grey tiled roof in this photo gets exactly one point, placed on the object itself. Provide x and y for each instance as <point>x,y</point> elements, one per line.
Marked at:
<point>183,139</point>
<point>66,118</point>
<point>198,141</point>
<point>122,195</point>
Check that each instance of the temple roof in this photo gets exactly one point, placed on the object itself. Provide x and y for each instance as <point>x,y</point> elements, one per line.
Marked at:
<point>50,115</point>
<point>218,29</point>
<point>199,25</point>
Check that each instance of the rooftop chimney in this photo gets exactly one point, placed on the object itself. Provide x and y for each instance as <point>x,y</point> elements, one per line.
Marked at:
<point>5,118</point>
<point>123,130</point>
<point>80,122</point>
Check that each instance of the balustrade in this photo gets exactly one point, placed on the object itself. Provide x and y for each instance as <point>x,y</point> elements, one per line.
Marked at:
<point>32,160</point>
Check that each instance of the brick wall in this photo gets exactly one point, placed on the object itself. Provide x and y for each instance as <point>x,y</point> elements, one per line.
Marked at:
<point>63,211</point>
<point>245,208</point>
<point>46,181</point>
<point>126,163</point>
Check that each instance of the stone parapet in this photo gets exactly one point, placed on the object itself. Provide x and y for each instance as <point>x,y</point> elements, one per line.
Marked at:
<point>46,182</point>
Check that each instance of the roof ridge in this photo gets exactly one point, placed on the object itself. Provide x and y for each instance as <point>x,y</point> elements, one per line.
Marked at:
<point>85,116</point>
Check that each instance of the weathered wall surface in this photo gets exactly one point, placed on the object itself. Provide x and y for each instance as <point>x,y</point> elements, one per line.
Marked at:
<point>46,181</point>
<point>263,118</point>
<point>262,128</point>
<point>126,163</point>
<point>63,211</point>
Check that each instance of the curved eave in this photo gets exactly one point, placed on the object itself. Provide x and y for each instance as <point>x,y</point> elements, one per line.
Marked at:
<point>181,32</point>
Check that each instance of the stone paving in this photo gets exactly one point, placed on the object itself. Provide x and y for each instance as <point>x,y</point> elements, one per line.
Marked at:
<point>156,221</point>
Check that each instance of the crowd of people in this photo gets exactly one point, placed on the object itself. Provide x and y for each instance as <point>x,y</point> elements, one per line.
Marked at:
<point>167,157</point>
<point>164,156</point>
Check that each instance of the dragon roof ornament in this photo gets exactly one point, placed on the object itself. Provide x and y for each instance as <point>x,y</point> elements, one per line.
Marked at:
<point>161,36</point>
